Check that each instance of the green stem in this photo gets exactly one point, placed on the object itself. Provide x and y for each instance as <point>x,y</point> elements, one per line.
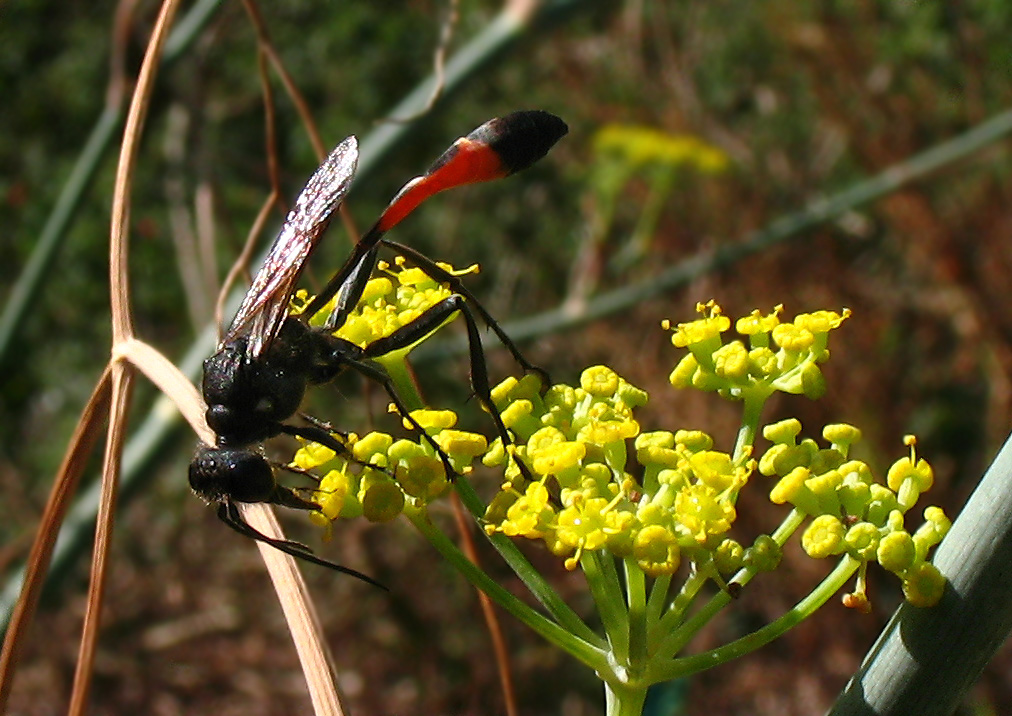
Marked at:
<point>531,577</point>
<point>655,604</point>
<point>752,407</point>
<point>662,670</point>
<point>607,565</point>
<point>679,637</point>
<point>607,593</point>
<point>397,368</point>
<point>590,654</point>
<point>675,614</point>
<point>635,587</point>
<point>624,700</point>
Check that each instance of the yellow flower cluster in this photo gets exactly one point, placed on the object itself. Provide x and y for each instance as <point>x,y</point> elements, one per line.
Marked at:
<point>573,440</point>
<point>780,356</point>
<point>640,146</point>
<point>569,478</point>
<point>853,513</point>
<point>389,302</point>
<point>380,475</point>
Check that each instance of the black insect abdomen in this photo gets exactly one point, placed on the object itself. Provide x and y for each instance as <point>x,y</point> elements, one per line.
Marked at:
<point>217,474</point>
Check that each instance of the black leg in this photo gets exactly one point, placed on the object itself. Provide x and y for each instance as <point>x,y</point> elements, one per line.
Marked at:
<point>352,284</point>
<point>428,322</point>
<point>363,254</point>
<point>230,515</point>
<point>320,432</point>
<point>297,471</point>
<point>378,375</point>
<point>322,424</point>
<point>439,274</point>
<point>317,434</point>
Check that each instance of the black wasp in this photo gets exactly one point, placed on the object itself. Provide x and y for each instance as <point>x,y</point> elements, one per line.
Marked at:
<point>258,376</point>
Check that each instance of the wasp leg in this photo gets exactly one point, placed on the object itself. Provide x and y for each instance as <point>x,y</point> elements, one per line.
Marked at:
<point>430,321</point>
<point>435,271</point>
<point>318,434</point>
<point>378,375</point>
<point>321,432</point>
<point>322,424</point>
<point>353,283</point>
<point>230,515</point>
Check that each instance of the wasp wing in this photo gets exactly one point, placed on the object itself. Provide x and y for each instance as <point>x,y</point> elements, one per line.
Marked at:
<point>265,305</point>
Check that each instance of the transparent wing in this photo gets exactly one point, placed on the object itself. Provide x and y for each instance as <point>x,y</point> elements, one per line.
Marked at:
<point>265,305</point>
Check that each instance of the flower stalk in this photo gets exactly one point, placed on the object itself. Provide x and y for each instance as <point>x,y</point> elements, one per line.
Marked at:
<point>646,516</point>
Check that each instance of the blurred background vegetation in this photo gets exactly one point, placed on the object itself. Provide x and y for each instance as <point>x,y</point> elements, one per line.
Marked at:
<point>692,124</point>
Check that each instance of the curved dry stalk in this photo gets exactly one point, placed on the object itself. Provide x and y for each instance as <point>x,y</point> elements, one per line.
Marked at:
<point>64,487</point>
<point>300,615</point>
<point>121,379</point>
<point>438,63</point>
<point>303,622</point>
<point>265,46</point>
<point>169,380</point>
<point>121,373</point>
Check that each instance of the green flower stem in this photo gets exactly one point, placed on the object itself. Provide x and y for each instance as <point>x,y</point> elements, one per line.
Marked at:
<point>752,407</point>
<point>657,601</point>
<point>623,699</point>
<point>607,567</point>
<point>590,654</point>
<point>397,368</point>
<point>635,586</point>
<point>531,577</point>
<point>829,586</point>
<point>678,637</point>
<point>675,615</point>
<point>679,633</point>
<point>607,593</point>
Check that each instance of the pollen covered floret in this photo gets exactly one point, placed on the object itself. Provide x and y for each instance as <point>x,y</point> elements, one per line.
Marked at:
<point>852,512</point>
<point>389,302</point>
<point>779,355</point>
<point>380,475</point>
<point>574,442</point>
